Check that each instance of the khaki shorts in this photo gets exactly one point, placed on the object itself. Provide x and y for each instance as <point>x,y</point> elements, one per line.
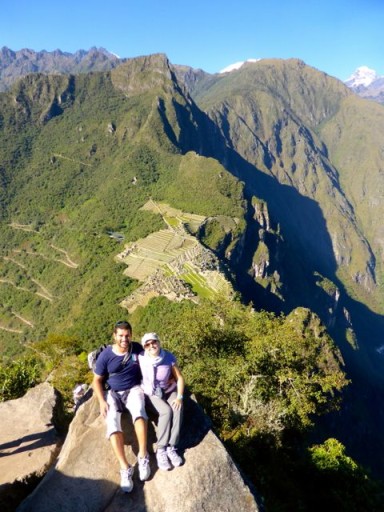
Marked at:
<point>134,403</point>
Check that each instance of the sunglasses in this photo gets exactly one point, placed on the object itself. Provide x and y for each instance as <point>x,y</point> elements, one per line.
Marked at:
<point>150,343</point>
<point>121,323</point>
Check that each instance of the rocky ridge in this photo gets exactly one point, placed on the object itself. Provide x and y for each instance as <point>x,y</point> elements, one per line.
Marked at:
<point>29,442</point>
<point>85,476</point>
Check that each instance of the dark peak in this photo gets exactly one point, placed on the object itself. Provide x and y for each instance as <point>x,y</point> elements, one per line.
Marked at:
<point>313,95</point>
<point>6,51</point>
<point>40,97</point>
<point>190,76</point>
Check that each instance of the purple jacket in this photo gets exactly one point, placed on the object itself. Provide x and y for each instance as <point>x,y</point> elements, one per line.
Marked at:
<point>157,372</point>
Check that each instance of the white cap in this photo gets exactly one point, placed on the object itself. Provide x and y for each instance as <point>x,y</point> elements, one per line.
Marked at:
<point>149,336</point>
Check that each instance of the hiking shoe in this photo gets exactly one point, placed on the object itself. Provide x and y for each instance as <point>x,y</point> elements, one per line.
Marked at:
<point>144,468</point>
<point>126,482</point>
<point>174,457</point>
<point>162,459</point>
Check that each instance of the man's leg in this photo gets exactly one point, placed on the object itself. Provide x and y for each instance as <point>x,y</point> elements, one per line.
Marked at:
<point>136,406</point>
<point>116,437</point>
<point>141,434</point>
<point>126,471</point>
<point>117,442</point>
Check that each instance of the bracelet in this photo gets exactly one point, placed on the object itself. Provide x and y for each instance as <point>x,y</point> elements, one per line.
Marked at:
<point>180,397</point>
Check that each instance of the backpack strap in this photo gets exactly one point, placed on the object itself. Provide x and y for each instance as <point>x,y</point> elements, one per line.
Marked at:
<point>123,362</point>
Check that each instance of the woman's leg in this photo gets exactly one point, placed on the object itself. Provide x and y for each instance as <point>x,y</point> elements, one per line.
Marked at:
<point>164,411</point>
<point>177,417</point>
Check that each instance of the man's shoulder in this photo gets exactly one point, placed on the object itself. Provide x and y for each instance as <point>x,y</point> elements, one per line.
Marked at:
<point>102,360</point>
<point>136,347</point>
<point>106,352</point>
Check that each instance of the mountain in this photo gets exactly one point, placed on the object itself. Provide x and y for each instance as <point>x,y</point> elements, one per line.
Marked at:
<point>270,176</point>
<point>367,84</point>
<point>236,65</point>
<point>362,76</point>
<point>364,81</point>
<point>290,135</point>
<point>15,64</point>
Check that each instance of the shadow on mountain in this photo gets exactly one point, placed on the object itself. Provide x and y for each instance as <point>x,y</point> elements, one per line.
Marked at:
<point>359,424</point>
<point>308,251</point>
<point>304,228</point>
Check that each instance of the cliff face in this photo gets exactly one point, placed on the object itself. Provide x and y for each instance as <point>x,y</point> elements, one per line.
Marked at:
<point>272,115</point>
<point>29,442</point>
<point>306,146</point>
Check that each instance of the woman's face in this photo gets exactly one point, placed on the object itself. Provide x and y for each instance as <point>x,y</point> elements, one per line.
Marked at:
<point>152,348</point>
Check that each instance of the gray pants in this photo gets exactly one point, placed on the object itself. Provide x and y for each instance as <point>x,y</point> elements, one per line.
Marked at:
<point>169,423</point>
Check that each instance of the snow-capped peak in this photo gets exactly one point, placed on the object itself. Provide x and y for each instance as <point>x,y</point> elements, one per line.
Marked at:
<point>236,65</point>
<point>362,76</point>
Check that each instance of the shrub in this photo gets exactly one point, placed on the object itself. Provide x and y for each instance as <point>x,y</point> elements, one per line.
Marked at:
<point>18,376</point>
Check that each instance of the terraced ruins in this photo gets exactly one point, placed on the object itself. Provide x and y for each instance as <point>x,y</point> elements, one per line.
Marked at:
<point>172,262</point>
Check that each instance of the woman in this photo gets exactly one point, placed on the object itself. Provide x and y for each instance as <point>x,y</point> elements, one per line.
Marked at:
<point>163,383</point>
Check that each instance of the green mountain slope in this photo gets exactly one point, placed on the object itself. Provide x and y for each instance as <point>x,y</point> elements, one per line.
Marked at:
<point>309,153</point>
<point>80,156</point>
<point>296,140</point>
<point>271,114</point>
<point>282,163</point>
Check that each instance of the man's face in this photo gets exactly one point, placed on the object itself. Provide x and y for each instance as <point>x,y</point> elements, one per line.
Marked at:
<point>122,338</point>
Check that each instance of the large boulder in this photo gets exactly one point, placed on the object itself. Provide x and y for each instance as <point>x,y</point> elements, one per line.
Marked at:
<point>29,442</point>
<point>86,476</point>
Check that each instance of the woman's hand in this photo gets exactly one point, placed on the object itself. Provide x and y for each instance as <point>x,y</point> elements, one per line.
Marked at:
<point>177,404</point>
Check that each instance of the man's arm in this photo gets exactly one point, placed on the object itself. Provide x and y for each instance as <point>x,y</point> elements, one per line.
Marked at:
<point>98,388</point>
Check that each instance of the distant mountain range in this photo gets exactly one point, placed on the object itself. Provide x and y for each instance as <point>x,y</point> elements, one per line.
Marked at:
<point>14,64</point>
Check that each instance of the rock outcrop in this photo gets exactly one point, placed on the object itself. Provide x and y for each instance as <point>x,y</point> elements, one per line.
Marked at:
<point>29,442</point>
<point>86,476</point>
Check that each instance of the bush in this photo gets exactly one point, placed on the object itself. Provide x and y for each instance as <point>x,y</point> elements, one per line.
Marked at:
<point>18,376</point>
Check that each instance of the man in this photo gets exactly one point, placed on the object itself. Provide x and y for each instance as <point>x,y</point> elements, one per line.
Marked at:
<point>118,364</point>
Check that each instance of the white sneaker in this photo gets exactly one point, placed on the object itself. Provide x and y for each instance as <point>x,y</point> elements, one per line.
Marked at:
<point>144,468</point>
<point>126,482</point>
<point>162,459</point>
<point>174,457</point>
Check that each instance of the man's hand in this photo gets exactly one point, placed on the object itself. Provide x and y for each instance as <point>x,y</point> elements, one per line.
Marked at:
<point>103,408</point>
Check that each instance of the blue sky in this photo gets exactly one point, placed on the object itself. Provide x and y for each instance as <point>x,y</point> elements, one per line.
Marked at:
<point>335,36</point>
